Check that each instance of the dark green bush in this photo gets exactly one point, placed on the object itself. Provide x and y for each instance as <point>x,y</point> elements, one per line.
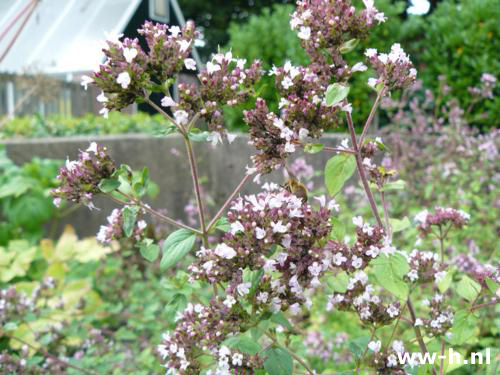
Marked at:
<point>459,40</point>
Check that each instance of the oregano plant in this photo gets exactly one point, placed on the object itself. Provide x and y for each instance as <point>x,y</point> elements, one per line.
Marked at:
<point>281,251</point>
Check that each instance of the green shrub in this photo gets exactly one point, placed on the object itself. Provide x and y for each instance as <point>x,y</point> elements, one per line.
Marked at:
<point>25,202</point>
<point>460,40</point>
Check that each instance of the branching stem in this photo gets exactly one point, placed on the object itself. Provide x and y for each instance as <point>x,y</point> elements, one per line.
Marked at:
<point>228,201</point>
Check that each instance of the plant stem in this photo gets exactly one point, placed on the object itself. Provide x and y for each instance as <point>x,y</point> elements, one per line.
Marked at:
<point>197,190</point>
<point>347,151</point>
<point>54,358</point>
<point>166,115</point>
<point>395,327</point>
<point>228,201</point>
<point>155,213</point>
<point>443,347</point>
<point>420,340</point>
<point>441,244</point>
<point>295,356</point>
<point>361,170</point>
<point>386,216</point>
<point>366,350</point>
<point>493,303</point>
<point>371,115</point>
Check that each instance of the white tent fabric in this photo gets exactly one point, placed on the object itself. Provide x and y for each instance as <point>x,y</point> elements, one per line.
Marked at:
<point>62,36</point>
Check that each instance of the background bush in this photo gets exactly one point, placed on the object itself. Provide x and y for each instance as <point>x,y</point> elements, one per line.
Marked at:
<point>459,40</point>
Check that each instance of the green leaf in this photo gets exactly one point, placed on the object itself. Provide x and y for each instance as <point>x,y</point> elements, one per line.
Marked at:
<point>176,304</point>
<point>468,288</point>
<point>396,185</point>
<point>255,280</point>
<point>278,362</point>
<point>399,225</point>
<point>10,326</point>
<point>108,185</point>
<point>465,325</point>
<point>389,272</point>
<point>313,148</point>
<point>335,93</point>
<point>281,319</point>
<point>149,250</point>
<point>244,344</point>
<point>16,186</point>
<point>198,137</point>
<point>223,224</point>
<point>348,46</point>
<point>338,230</point>
<point>492,285</point>
<point>444,284</point>
<point>29,210</point>
<point>339,282</point>
<point>258,331</point>
<point>129,217</point>
<point>176,246</point>
<point>141,185</point>
<point>378,88</point>
<point>338,170</point>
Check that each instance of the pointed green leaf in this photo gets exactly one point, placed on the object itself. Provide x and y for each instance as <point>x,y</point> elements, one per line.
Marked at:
<point>335,93</point>
<point>338,170</point>
<point>176,246</point>
<point>278,362</point>
<point>281,319</point>
<point>348,46</point>
<point>389,272</point>
<point>109,184</point>
<point>129,218</point>
<point>244,344</point>
<point>399,225</point>
<point>313,148</point>
<point>149,250</point>
<point>468,288</point>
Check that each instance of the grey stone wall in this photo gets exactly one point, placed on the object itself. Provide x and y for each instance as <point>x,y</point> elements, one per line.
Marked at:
<point>221,168</point>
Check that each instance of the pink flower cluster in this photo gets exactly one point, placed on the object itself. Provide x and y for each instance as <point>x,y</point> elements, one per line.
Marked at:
<point>394,70</point>
<point>488,84</point>
<point>204,328</point>
<point>325,27</point>
<point>225,81</point>
<point>440,218</point>
<point>259,223</point>
<point>129,70</point>
<point>80,179</point>
<point>424,267</point>
<point>440,316</point>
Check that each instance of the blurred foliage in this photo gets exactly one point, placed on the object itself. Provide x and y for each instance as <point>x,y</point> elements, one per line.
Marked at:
<point>58,125</point>
<point>461,40</point>
<point>25,203</point>
<point>214,16</point>
<point>106,312</point>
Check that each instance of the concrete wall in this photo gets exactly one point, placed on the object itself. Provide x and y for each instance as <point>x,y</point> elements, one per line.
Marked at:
<point>221,168</point>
